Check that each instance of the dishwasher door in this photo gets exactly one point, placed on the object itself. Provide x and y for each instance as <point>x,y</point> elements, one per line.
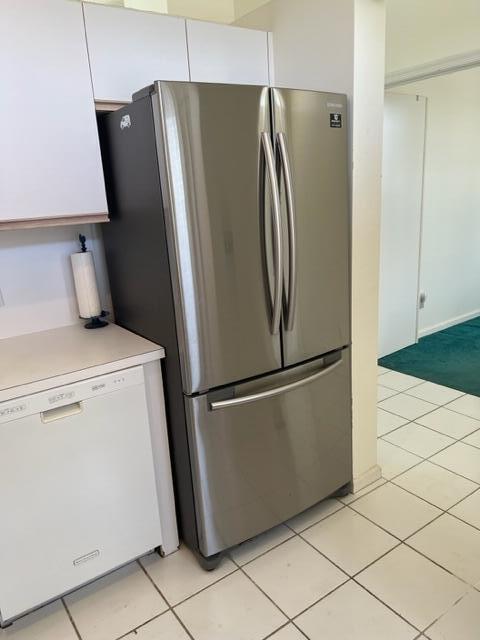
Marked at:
<point>77,487</point>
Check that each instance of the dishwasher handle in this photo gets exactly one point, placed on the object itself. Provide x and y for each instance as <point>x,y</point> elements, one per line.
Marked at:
<point>58,413</point>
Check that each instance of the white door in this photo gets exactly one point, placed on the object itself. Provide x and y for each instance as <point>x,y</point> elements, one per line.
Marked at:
<point>130,49</point>
<point>403,151</point>
<point>226,54</point>
<point>50,162</point>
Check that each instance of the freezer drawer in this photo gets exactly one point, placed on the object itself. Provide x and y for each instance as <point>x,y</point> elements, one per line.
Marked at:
<point>77,487</point>
<point>266,450</point>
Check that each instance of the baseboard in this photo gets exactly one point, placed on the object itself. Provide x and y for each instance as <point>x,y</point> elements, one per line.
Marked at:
<point>371,475</point>
<point>448,323</point>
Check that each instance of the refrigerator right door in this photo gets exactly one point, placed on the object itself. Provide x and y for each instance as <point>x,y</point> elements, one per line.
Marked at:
<point>310,138</point>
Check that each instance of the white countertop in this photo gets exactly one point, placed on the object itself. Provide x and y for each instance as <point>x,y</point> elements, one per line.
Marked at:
<point>39,361</point>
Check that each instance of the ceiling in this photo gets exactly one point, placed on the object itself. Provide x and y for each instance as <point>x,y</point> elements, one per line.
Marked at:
<point>225,11</point>
<point>421,31</point>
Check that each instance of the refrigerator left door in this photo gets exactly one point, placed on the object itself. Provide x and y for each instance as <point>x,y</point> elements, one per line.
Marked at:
<point>209,142</point>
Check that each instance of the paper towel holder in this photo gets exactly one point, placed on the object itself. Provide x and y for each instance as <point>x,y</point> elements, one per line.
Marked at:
<point>97,322</point>
<point>94,322</point>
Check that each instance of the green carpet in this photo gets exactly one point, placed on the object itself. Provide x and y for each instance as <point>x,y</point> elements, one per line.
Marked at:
<point>450,357</point>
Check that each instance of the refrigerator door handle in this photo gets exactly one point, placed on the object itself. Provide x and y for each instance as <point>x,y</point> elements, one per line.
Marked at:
<point>292,240</point>
<point>270,393</point>
<point>269,160</point>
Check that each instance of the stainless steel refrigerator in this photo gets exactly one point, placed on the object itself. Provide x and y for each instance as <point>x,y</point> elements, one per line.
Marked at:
<point>229,245</point>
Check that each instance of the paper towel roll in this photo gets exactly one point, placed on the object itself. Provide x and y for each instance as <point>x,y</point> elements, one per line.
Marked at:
<point>86,285</point>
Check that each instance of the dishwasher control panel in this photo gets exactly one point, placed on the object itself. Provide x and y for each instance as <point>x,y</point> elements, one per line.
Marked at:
<point>69,394</point>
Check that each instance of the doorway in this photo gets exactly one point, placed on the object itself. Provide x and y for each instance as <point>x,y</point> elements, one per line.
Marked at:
<point>430,325</point>
<point>403,159</point>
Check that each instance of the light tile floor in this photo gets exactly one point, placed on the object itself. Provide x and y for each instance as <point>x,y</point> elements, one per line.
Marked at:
<point>398,560</point>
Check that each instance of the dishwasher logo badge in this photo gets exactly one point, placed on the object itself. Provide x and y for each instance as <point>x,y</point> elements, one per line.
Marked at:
<point>11,411</point>
<point>125,122</point>
<point>61,396</point>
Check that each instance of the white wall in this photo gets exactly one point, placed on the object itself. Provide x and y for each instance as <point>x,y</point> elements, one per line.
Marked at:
<point>36,281</point>
<point>450,253</point>
<point>368,97</point>
<point>160,6</point>
<point>243,7</point>
<point>308,36</point>
<point>339,47</point>
<point>419,31</point>
<point>215,10</point>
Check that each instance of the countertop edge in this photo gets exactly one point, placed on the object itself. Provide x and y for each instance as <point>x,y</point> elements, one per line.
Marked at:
<point>17,391</point>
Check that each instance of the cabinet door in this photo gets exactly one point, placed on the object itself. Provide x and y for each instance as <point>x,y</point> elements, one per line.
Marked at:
<point>130,49</point>
<point>50,164</point>
<point>222,53</point>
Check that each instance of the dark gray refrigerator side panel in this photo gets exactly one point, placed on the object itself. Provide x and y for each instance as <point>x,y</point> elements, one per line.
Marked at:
<point>258,463</point>
<point>138,268</point>
<point>313,130</point>
<point>209,142</point>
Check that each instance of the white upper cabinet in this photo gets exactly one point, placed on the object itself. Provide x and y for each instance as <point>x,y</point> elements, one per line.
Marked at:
<point>130,49</point>
<point>222,53</point>
<point>50,163</point>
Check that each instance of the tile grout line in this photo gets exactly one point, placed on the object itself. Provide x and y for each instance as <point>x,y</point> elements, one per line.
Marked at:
<point>446,406</point>
<point>437,517</point>
<point>292,620</point>
<point>462,440</point>
<point>417,464</point>
<point>461,394</point>
<point>423,426</point>
<point>170,607</point>
<point>284,626</point>
<point>427,458</point>
<point>238,568</point>
<point>354,576</point>
<point>418,424</point>
<point>400,543</point>
<point>415,495</point>
<point>395,393</point>
<point>445,613</point>
<point>443,512</point>
<point>70,617</point>
<point>353,579</point>
<point>437,406</point>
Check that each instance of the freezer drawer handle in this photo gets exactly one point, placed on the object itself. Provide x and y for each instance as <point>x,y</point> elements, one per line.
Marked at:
<point>284,161</point>
<point>268,160</point>
<point>271,393</point>
<point>61,412</point>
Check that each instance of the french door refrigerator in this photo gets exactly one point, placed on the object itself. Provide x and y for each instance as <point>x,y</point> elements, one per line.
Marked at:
<point>229,245</point>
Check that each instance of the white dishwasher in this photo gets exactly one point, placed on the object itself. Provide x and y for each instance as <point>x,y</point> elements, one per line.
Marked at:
<point>77,487</point>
